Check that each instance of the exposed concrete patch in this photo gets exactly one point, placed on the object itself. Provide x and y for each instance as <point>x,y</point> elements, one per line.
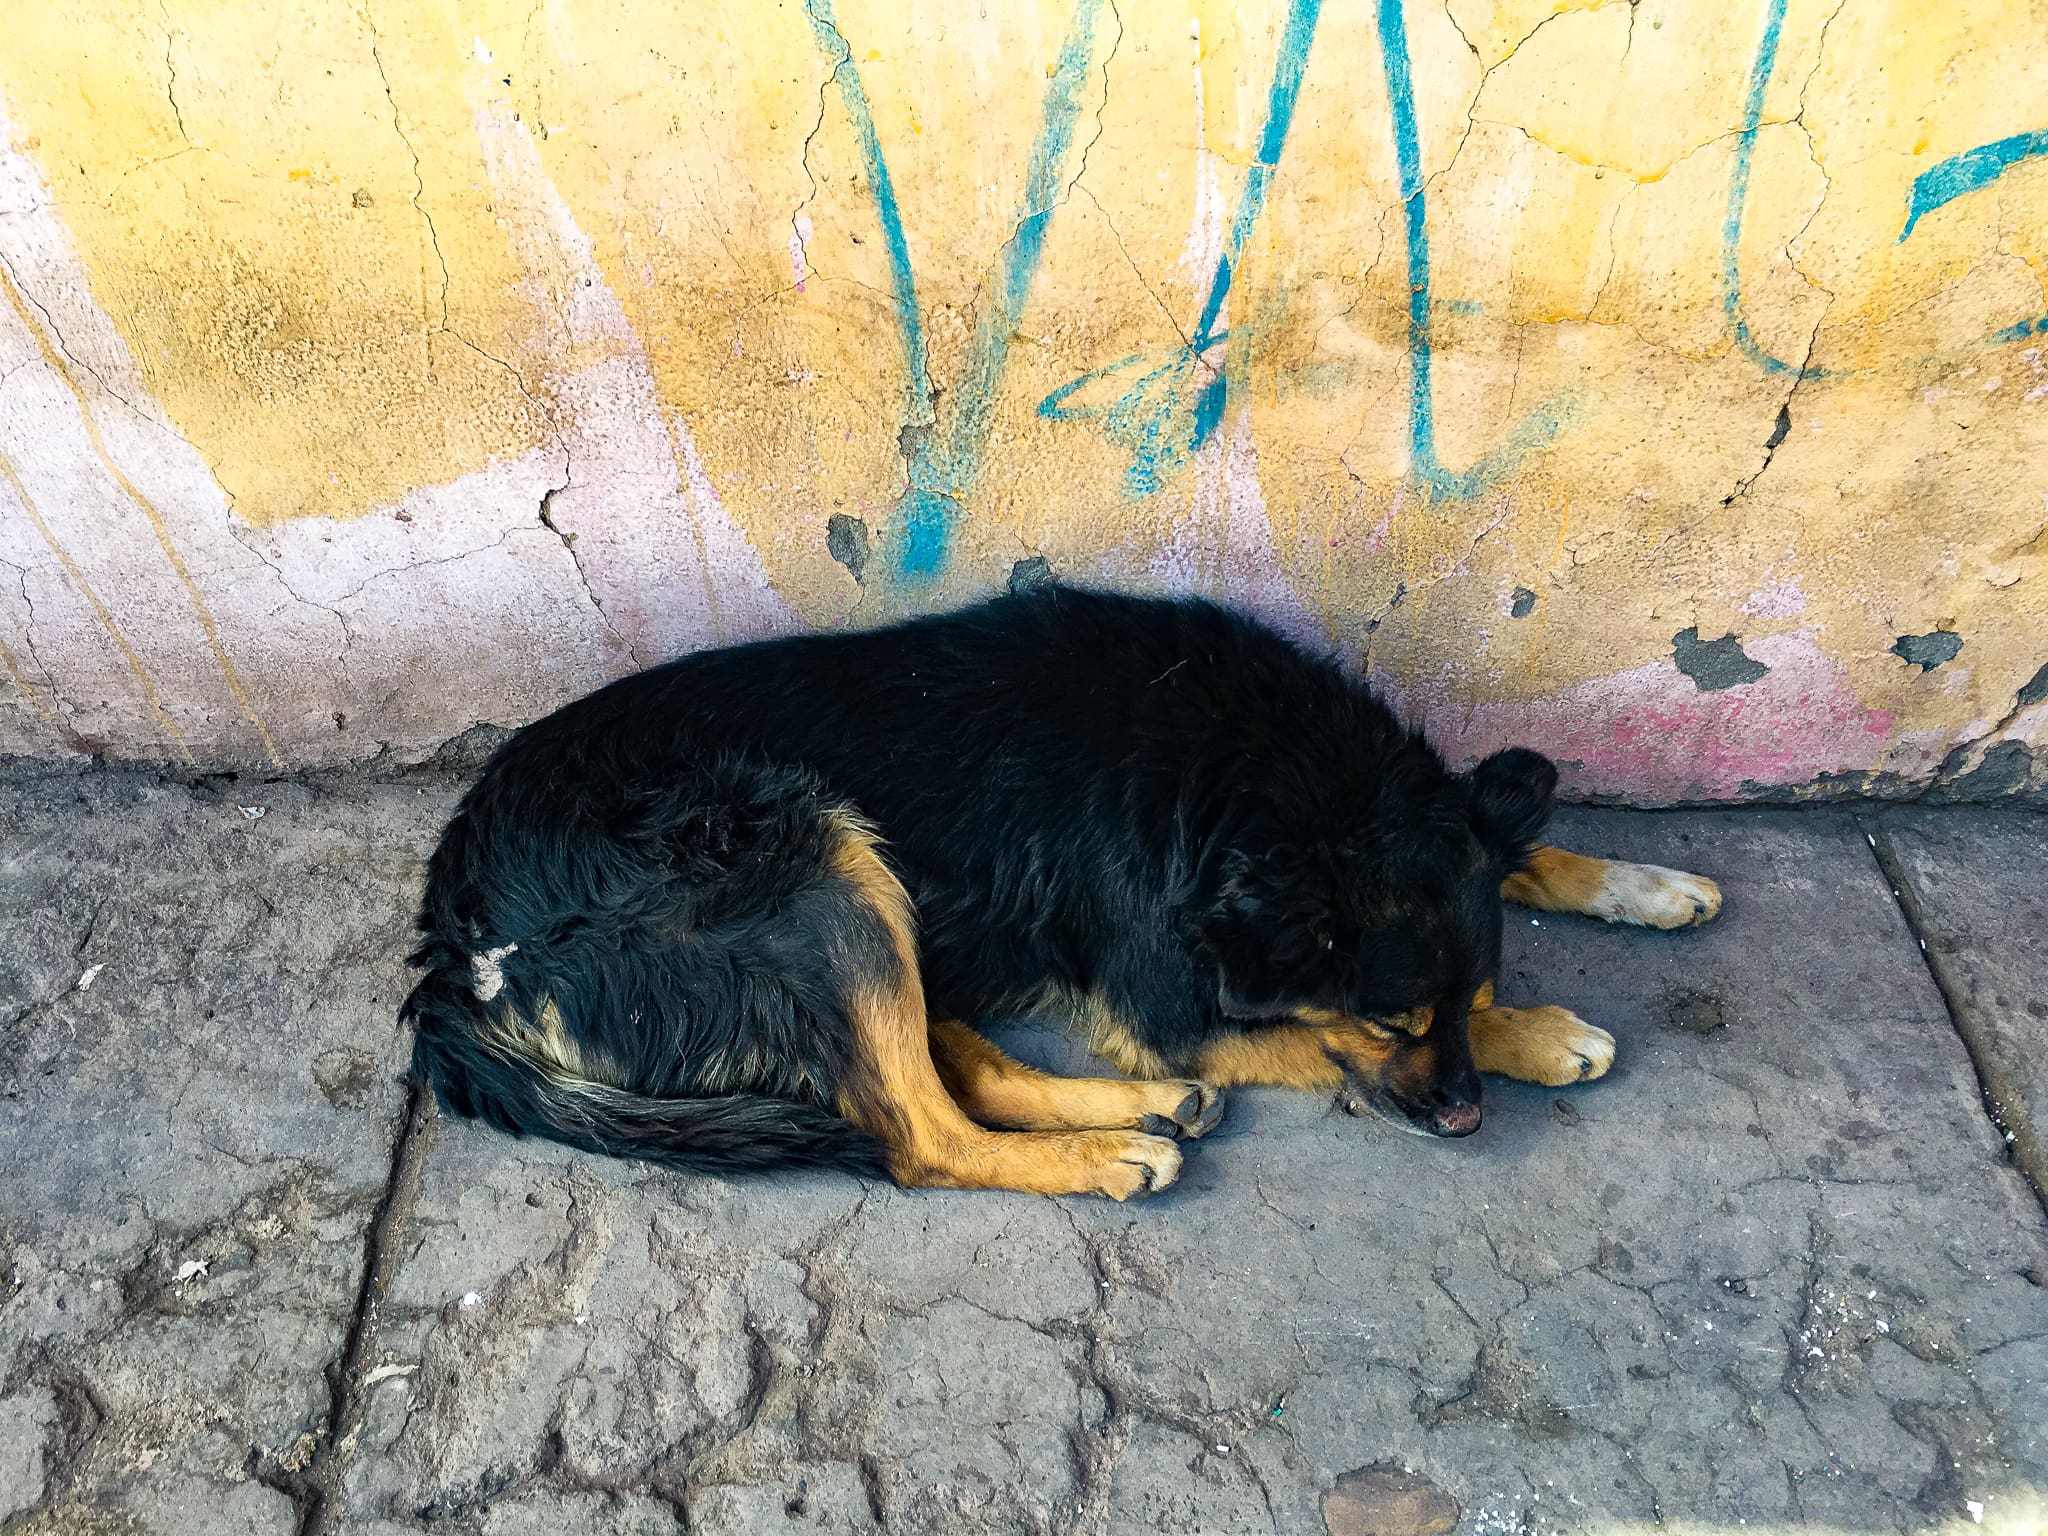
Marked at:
<point>2005,768</point>
<point>1928,651</point>
<point>846,539</point>
<point>1029,574</point>
<point>1714,664</point>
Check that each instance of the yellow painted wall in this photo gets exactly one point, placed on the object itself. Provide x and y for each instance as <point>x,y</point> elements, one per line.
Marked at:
<point>1660,384</point>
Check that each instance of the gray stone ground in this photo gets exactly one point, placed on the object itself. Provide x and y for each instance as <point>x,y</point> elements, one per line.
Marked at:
<point>1779,1268</point>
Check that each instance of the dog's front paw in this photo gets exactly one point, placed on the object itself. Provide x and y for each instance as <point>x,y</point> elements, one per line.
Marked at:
<point>1654,897</point>
<point>1195,1113</point>
<point>1134,1163</point>
<point>1551,1046</point>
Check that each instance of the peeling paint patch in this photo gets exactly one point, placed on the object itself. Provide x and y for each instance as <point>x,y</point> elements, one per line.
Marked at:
<point>2035,688</point>
<point>1522,604</point>
<point>1928,651</point>
<point>1030,575</point>
<point>1714,664</point>
<point>846,540</point>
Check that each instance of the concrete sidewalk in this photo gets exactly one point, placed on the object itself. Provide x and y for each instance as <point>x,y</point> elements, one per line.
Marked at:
<point>1783,1266</point>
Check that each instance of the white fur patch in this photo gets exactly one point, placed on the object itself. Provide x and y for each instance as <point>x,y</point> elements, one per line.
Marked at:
<point>487,973</point>
<point>1590,1044</point>
<point>1655,897</point>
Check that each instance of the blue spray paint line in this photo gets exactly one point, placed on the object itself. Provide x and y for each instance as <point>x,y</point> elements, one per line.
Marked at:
<point>1541,424</point>
<point>917,406</point>
<point>1738,198</point>
<point>1289,66</point>
<point>1171,410</point>
<point>2036,327</point>
<point>939,476</point>
<point>1972,169</point>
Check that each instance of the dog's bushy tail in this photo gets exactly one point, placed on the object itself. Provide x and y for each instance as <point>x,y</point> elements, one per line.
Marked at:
<point>510,1078</point>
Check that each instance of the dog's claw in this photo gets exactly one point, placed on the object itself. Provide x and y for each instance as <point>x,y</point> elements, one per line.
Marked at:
<point>1200,1111</point>
<point>1157,1166</point>
<point>1196,1115</point>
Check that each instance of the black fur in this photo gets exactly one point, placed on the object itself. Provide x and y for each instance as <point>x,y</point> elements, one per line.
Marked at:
<point>1158,802</point>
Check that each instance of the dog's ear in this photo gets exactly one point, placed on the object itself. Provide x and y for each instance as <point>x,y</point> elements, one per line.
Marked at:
<point>1513,794</point>
<point>1268,936</point>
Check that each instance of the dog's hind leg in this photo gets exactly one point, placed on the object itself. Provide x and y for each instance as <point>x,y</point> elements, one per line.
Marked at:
<point>1551,1046</point>
<point>1004,1094</point>
<point>893,1089</point>
<point>1645,894</point>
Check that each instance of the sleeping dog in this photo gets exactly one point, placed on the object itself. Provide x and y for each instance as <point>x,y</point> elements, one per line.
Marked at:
<point>742,911</point>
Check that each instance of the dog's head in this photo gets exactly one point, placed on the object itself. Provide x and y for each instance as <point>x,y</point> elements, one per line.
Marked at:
<point>1389,922</point>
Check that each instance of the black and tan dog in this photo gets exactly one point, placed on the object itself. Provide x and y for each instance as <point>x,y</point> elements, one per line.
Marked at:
<point>740,911</point>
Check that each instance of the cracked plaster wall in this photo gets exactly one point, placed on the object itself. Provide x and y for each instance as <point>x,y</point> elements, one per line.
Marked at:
<point>1658,384</point>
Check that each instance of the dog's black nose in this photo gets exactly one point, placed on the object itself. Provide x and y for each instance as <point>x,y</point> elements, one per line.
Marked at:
<point>1454,1120</point>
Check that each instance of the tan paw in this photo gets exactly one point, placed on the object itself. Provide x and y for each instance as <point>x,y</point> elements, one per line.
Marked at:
<point>1134,1163</point>
<point>1551,1046</point>
<point>1188,1109</point>
<point>1655,897</point>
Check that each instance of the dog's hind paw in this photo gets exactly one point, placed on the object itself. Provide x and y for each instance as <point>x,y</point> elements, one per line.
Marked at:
<point>1197,1114</point>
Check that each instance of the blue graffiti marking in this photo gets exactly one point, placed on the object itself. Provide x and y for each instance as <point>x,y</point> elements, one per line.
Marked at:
<point>1534,430</point>
<point>943,468</point>
<point>939,477</point>
<point>1738,198</point>
<point>902,282</point>
<point>1155,418</point>
<point>1973,168</point>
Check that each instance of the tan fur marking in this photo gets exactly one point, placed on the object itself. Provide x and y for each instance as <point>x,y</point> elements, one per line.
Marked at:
<point>1312,1054</point>
<point>1004,1094</point>
<point>1648,895</point>
<point>1556,881</point>
<point>1110,1037</point>
<point>1552,1046</point>
<point>547,1044</point>
<point>897,1095</point>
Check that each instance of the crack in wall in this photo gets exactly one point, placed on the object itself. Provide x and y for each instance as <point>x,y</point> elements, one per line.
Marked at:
<point>582,576</point>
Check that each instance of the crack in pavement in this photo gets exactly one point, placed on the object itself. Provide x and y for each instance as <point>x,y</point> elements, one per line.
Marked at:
<point>2019,1140</point>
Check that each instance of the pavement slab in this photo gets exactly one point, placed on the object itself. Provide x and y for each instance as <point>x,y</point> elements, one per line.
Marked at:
<point>199,1091</point>
<point>1774,1269</point>
<point>1778,1269</point>
<point>1976,883</point>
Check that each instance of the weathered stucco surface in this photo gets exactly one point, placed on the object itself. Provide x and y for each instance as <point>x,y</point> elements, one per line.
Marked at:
<point>1661,384</point>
